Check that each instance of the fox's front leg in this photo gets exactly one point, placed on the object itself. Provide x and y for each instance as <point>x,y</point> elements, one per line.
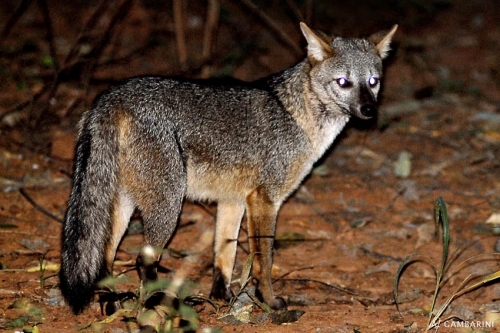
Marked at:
<point>227,227</point>
<point>261,216</point>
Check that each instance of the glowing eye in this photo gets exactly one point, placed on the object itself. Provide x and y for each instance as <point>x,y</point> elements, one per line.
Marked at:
<point>343,82</point>
<point>373,81</point>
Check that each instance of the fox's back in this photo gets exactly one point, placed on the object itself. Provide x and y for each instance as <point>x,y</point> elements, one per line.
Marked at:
<point>233,136</point>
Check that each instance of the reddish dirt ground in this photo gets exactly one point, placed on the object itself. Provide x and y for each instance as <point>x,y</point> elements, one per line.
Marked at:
<point>354,218</point>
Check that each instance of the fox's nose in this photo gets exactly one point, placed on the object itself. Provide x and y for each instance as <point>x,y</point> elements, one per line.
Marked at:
<point>368,110</point>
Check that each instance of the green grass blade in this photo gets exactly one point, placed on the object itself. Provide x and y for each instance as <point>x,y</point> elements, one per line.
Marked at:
<point>402,265</point>
<point>440,217</point>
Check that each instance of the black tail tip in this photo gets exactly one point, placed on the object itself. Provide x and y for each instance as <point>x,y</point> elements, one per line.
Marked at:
<point>77,308</point>
<point>77,300</point>
<point>77,296</point>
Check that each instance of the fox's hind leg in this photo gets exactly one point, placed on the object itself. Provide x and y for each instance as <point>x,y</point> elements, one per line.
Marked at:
<point>155,177</point>
<point>229,217</point>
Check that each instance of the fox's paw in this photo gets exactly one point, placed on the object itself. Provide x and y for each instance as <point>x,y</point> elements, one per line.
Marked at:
<point>221,294</point>
<point>220,289</point>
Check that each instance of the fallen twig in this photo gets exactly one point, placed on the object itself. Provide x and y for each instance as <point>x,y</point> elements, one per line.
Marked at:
<point>38,207</point>
<point>208,35</point>
<point>49,31</point>
<point>293,271</point>
<point>339,288</point>
<point>18,13</point>
<point>179,33</point>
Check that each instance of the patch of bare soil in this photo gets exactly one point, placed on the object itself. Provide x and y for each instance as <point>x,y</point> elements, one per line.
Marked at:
<point>367,205</point>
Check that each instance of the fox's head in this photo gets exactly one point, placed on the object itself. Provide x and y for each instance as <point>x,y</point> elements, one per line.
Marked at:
<point>346,72</point>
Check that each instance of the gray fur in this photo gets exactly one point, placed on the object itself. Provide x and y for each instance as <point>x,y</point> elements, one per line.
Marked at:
<point>152,141</point>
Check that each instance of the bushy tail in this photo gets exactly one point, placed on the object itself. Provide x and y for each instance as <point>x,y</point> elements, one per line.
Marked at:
<point>87,224</point>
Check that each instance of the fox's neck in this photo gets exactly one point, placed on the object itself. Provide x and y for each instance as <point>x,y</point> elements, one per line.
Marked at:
<point>321,123</point>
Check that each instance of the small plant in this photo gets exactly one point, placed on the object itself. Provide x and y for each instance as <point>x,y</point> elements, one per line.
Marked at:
<point>153,307</point>
<point>444,272</point>
<point>164,310</point>
<point>42,265</point>
<point>40,249</point>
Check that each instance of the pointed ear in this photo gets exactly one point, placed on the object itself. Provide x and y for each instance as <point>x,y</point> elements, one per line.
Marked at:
<point>318,48</point>
<point>382,41</point>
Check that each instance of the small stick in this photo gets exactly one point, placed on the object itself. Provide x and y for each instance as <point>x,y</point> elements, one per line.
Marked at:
<point>18,13</point>
<point>38,207</point>
<point>347,291</point>
<point>208,36</point>
<point>290,272</point>
<point>179,32</point>
<point>42,4</point>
